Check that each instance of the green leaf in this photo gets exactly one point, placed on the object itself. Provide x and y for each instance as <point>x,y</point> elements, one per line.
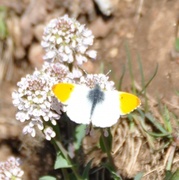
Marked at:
<point>139,176</point>
<point>155,123</point>
<point>111,170</point>
<point>61,162</point>
<point>177,44</point>
<point>3,25</point>
<point>141,70</point>
<point>175,175</point>
<point>166,118</point>
<point>80,132</point>
<point>168,175</point>
<point>177,92</point>
<point>47,178</point>
<point>72,177</point>
<point>85,175</point>
<point>129,61</point>
<point>150,80</point>
<point>106,142</point>
<point>121,78</point>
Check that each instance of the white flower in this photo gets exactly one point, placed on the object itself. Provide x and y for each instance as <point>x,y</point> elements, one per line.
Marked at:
<point>49,133</point>
<point>22,116</point>
<point>10,169</point>
<point>63,38</point>
<point>29,130</point>
<point>81,59</point>
<point>76,73</point>
<point>92,54</point>
<point>37,122</point>
<point>50,55</point>
<point>102,80</point>
<point>34,100</point>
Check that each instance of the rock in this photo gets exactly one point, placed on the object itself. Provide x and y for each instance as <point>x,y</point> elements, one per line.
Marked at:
<point>101,28</point>
<point>16,34</point>
<point>38,31</point>
<point>26,30</point>
<point>35,55</point>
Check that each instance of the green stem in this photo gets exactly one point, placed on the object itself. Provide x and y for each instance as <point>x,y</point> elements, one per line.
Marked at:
<point>59,148</point>
<point>65,154</point>
<point>64,171</point>
<point>104,139</point>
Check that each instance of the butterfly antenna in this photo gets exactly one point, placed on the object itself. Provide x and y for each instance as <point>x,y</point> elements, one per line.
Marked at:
<point>108,72</point>
<point>84,71</point>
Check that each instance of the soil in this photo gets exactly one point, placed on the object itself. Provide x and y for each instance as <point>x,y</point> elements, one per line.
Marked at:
<point>147,28</point>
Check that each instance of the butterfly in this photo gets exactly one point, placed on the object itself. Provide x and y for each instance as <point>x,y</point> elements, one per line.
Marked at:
<point>101,108</point>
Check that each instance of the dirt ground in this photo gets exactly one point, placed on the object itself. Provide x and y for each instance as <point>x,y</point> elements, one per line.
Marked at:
<point>148,27</point>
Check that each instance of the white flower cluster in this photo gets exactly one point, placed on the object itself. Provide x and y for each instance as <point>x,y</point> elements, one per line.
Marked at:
<point>67,41</point>
<point>102,80</point>
<point>10,169</point>
<point>34,98</point>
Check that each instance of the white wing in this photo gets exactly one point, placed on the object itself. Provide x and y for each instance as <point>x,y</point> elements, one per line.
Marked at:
<point>107,112</point>
<point>79,107</point>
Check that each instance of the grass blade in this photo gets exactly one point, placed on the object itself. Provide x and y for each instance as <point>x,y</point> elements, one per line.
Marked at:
<point>121,78</point>
<point>146,85</point>
<point>155,123</point>
<point>130,67</point>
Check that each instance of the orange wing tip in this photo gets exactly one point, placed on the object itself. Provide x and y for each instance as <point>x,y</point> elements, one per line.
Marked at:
<point>128,102</point>
<point>62,91</point>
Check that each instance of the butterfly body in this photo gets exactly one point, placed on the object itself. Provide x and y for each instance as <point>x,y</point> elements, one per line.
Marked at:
<point>95,96</point>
